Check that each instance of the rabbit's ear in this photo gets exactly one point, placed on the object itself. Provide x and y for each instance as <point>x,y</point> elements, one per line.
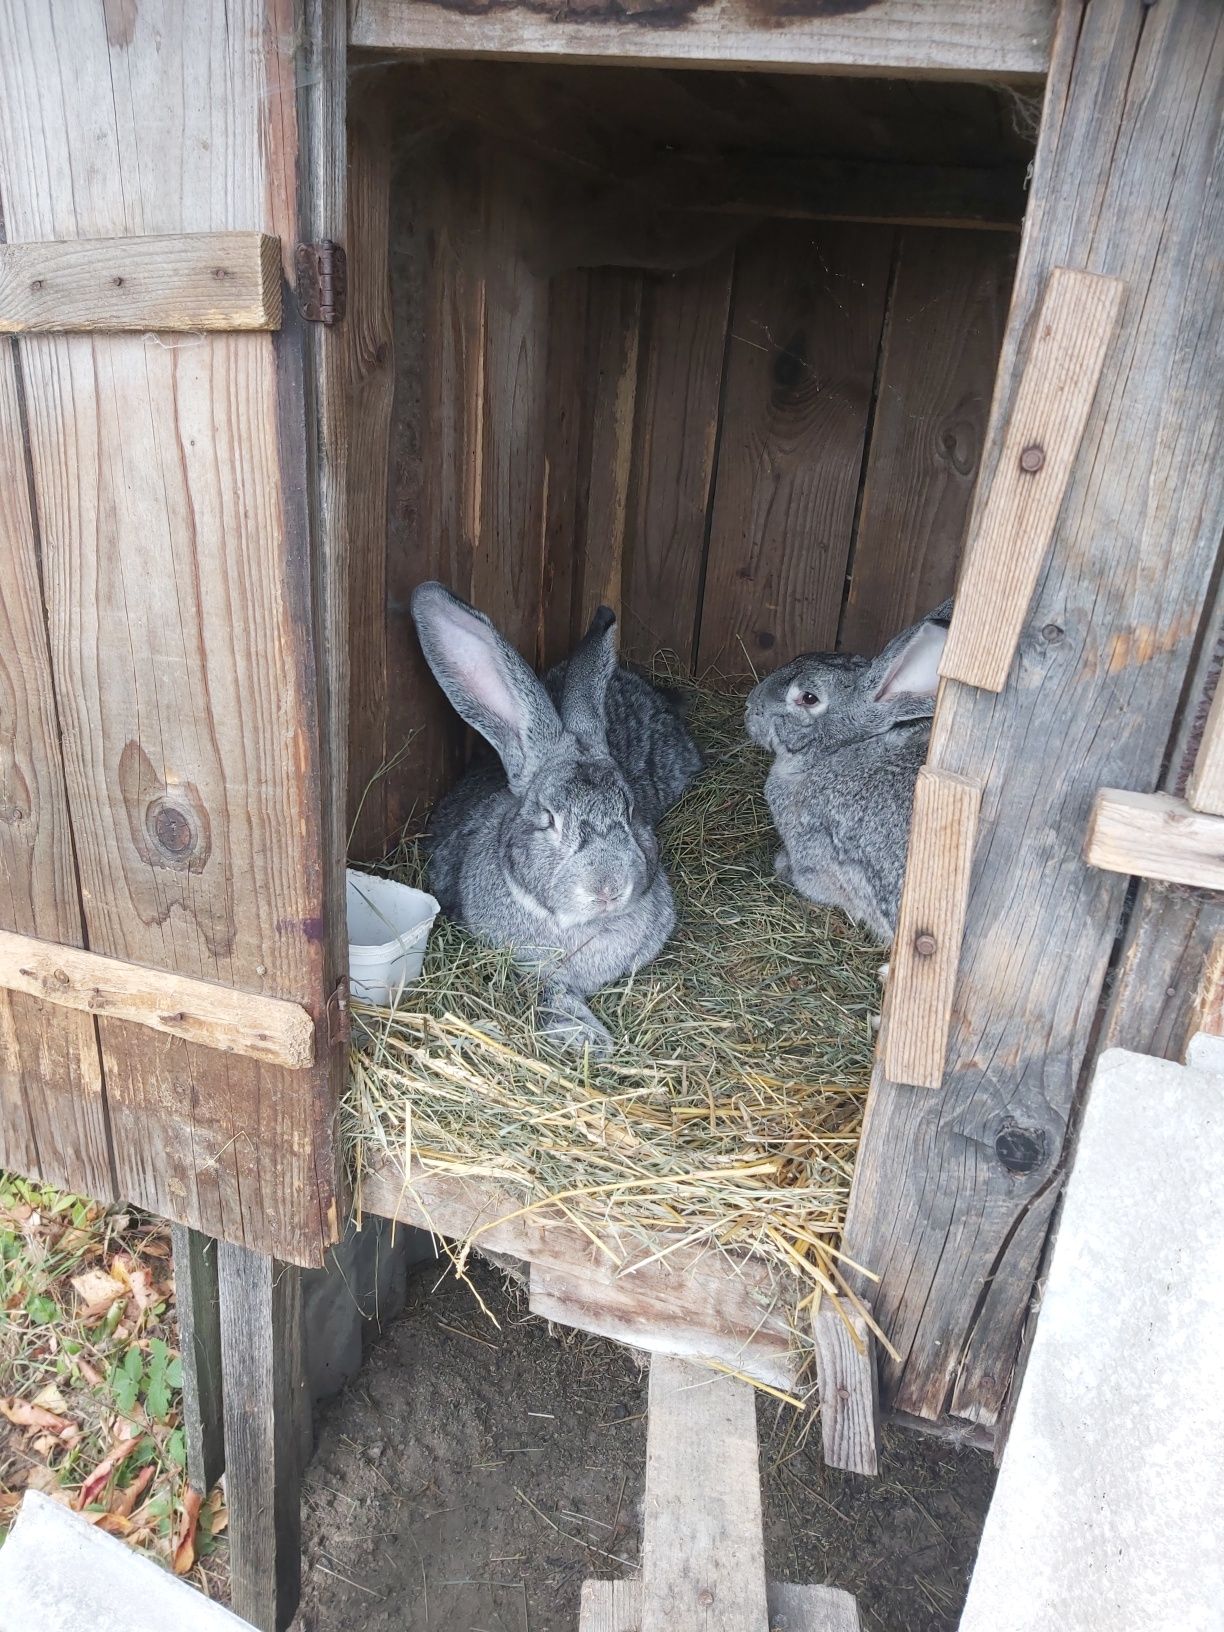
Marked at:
<point>486,680</point>
<point>909,666</point>
<point>584,693</point>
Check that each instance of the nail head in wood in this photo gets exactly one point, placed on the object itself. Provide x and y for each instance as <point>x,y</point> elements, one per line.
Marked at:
<point>1032,458</point>
<point>925,944</point>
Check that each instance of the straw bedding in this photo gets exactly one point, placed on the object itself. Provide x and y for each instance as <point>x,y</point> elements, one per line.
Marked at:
<point>730,1113</point>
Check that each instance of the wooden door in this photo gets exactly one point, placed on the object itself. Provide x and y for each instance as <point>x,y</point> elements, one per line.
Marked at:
<point>170,752</point>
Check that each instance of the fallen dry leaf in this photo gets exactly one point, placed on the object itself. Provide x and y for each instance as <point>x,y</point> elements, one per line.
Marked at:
<point>51,1399</point>
<point>143,1289</point>
<point>27,1415</point>
<point>115,1524</point>
<point>98,1480</point>
<point>97,1291</point>
<point>214,1512</point>
<point>185,1539</point>
<point>125,1500</point>
<point>9,1499</point>
<point>92,1376</point>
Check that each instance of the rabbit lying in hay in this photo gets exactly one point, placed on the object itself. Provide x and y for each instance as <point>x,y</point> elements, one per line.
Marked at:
<point>849,736</point>
<point>553,851</point>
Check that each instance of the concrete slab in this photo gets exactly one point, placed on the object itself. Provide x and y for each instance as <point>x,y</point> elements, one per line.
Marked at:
<point>60,1574</point>
<point>1107,1516</point>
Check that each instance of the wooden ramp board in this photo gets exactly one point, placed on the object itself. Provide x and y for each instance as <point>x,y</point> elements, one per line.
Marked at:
<point>1107,1510</point>
<point>616,1606</point>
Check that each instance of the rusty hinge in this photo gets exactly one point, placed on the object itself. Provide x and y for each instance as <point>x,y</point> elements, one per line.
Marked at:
<point>322,281</point>
<point>338,1022</point>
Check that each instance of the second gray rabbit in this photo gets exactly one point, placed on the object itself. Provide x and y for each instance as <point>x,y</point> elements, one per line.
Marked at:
<point>849,736</point>
<point>552,852</point>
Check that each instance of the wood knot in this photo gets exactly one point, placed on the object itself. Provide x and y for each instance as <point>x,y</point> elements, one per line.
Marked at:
<point>35,285</point>
<point>1032,458</point>
<point>1020,1150</point>
<point>171,829</point>
<point>118,282</point>
<point>925,944</point>
<point>1051,633</point>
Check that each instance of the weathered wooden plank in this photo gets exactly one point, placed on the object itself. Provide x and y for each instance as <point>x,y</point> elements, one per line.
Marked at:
<point>53,1121</point>
<point>610,1606</point>
<point>564,485</point>
<point>1017,508</point>
<point>197,1302</point>
<point>937,367</point>
<point>266,1406</point>
<point>167,282</point>
<point>612,362</point>
<point>370,354</point>
<point>675,1313</point>
<point>172,489</point>
<point>684,322</point>
<point>805,333</point>
<point>849,1386</point>
<point>931,921</point>
<point>689,1301</point>
<point>198,1011</point>
<point>1154,835</point>
<point>945,39</point>
<point>703,1551</point>
<point>616,1606</point>
<point>1126,185</point>
<point>1205,788</point>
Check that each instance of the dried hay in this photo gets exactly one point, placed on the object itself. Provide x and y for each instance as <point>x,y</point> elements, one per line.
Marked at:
<point>731,1111</point>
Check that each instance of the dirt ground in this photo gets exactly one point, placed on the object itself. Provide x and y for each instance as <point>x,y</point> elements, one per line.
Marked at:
<point>474,1475</point>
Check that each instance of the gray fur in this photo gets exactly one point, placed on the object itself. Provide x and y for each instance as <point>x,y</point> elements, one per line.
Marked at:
<point>841,788</point>
<point>552,852</point>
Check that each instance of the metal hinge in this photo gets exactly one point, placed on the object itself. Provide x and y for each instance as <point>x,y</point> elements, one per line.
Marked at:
<point>322,281</point>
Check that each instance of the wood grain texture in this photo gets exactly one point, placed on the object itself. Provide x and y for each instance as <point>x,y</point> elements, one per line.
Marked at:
<point>53,1122</point>
<point>610,1606</point>
<point>946,39</point>
<point>1017,509</point>
<point>564,476</point>
<point>1205,789</point>
<point>849,1386</point>
<point>724,1308</point>
<point>188,281</point>
<point>370,385</point>
<point>684,341</point>
<point>266,1406</point>
<point>197,1300</point>
<point>612,372</point>
<point>172,487</point>
<point>616,1606</point>
<point>930,923</point>
<point>937,368</point>
<point>804,334</point>
<point>1154,835</point>
<point>1127,185</point>
<point>703,1552</point>
<point>198,1011</point>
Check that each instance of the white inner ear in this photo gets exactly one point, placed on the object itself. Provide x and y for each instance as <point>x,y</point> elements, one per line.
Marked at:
<point>476,664</point>
<point>916,671</point>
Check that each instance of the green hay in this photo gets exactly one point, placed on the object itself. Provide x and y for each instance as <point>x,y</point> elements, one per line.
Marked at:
<point>730,1112</point>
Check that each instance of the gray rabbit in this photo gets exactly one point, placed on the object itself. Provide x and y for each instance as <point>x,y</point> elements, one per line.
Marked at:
<point>849,736</point>
<point>552,852</point>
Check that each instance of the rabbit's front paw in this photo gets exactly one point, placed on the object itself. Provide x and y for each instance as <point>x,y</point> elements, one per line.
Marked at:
<point>567,1023</point>
<point>782,867</point>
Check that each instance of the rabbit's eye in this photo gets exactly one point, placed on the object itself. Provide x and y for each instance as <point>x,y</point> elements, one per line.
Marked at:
<point>809,699</point>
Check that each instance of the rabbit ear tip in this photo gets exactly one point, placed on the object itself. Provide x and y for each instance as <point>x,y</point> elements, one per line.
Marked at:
<point>603,620</point>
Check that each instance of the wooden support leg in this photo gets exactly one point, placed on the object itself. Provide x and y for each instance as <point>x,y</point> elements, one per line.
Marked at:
<point>267,1432</point>
<point>199,1317</point>
<point>848,1380</point>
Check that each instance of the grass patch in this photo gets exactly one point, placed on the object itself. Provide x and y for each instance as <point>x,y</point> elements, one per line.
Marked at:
<point>90,1376</point>
<point>730,1113</point>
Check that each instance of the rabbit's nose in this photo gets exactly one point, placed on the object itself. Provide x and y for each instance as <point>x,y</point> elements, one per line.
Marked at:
<point>611,895</point>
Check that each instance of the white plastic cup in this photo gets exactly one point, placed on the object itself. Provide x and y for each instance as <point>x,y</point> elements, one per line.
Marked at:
<point>388,925</point>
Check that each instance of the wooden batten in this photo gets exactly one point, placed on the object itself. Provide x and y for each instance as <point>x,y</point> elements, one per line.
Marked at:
<point>1205,789</point>
<point>1154,835</point>
<point>849,1390</point>
<point>943,39</point>
<point>926,951</point>
<point>261,1028</point>
<point>1017,512</point>
<point>183,281</point>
